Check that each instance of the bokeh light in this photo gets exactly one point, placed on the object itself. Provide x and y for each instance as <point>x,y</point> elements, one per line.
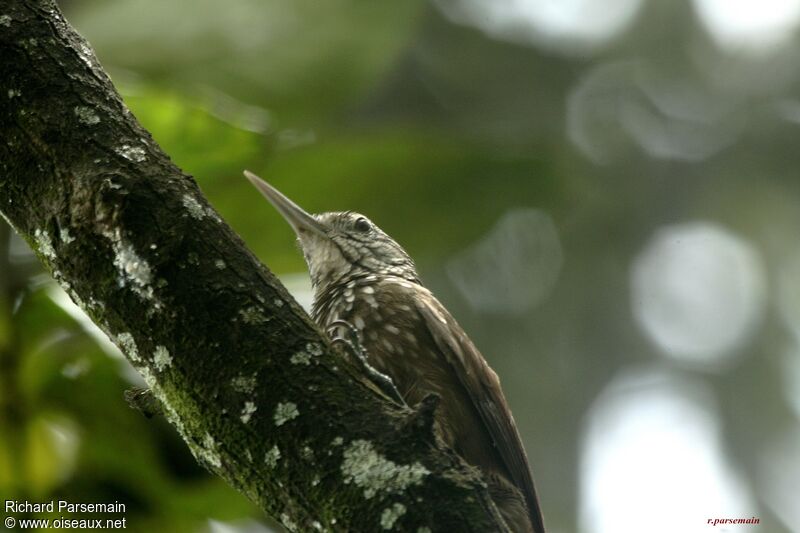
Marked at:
<point>624,105</point>
<point>698,291</point>
<point>567,25</point>
<point>779,477</point>
<point>749,27</point>
<point>790,377</point>
<point>787,296</point>
<point>653,458</point>
<point>513,268</point>
<point>787,291</point>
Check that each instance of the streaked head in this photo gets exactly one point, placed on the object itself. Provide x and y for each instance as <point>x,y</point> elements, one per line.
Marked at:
<point>339,246</point>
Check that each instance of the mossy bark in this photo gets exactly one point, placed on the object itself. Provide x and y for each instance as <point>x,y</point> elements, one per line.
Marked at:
<point>244,375</point>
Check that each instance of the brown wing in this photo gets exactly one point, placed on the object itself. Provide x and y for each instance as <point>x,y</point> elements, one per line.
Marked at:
<point>483,388</point>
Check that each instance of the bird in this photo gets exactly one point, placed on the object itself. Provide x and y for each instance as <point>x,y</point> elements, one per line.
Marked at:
<point>365,280</point>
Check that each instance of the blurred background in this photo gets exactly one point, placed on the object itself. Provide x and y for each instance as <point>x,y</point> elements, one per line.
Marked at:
<point>605,194</point>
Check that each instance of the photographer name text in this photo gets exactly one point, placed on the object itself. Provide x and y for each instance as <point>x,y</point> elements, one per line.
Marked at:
<point>62,506</point>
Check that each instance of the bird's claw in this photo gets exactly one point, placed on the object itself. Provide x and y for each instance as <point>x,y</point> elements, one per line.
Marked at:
<point>352,340</point>
<point>352,343</point>
<point>144,401</point>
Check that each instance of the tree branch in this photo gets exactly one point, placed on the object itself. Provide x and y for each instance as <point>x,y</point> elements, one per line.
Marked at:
<point>243,374</point>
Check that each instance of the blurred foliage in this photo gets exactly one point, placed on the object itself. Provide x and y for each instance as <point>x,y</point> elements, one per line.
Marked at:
<point>436,124</point>
<point>303,57</point>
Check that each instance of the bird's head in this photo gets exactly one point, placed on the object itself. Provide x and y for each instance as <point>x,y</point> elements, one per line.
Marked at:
<point>339,246</point>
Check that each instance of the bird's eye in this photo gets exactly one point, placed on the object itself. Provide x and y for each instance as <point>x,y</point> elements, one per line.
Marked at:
<point>362,224</point>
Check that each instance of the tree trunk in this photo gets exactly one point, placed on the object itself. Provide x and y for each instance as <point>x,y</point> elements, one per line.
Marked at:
<point>246,378</point>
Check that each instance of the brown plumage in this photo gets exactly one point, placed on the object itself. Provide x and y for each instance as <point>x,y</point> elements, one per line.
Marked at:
<point>363,277</point>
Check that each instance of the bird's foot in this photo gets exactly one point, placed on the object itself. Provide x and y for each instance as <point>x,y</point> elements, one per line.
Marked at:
<point>423,418</point>
<point>351,342</point>
<point>144,401</point>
